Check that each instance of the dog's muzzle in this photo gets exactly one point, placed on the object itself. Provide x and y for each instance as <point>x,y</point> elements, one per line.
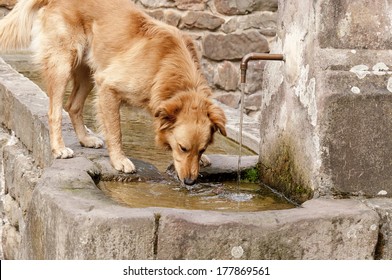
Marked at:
<point>189,181</point>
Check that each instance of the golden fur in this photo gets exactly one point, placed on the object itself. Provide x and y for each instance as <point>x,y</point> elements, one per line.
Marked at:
<point>130,58</point>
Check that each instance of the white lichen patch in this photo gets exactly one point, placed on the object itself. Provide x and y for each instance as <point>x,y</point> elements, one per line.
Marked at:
<point>380,69</point>
<point>373,227</point>
<point>360,70</point>
<point>389,84</point>
<point>306,91</point>
<point>237,252</point>
<point>355,90</point>
<point>382,192</point>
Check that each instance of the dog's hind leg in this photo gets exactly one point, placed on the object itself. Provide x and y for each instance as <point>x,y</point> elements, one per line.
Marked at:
<point>82,86</point>
<point>109,103</point>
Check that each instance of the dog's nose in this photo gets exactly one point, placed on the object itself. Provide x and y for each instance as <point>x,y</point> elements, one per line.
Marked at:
<point>189,181</point>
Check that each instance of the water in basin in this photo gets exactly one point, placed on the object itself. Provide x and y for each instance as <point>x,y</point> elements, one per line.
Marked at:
<point>223,196</point>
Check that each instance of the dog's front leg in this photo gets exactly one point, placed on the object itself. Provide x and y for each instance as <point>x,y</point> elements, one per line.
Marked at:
<point>109,115</point>
<point>56,88</point>
<point>56,139</point>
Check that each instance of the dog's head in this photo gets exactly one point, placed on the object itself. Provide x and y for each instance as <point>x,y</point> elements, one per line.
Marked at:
<point>186,124</point>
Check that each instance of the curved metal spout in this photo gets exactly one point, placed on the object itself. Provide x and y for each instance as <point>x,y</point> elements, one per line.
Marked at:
<point>256,56</point>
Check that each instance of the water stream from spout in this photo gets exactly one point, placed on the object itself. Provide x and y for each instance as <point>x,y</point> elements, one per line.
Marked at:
<point>240,134</point>
<point>237,251</point>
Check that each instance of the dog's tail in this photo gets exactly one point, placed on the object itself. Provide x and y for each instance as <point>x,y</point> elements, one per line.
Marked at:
<point>15,28</point>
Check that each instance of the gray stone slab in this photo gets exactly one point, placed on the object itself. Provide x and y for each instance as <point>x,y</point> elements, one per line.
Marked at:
<point>321,229</point>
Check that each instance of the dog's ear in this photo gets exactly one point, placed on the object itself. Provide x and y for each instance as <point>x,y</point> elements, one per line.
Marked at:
<point>190,45</point>
<point>167,114</point>
<point>218,118</point>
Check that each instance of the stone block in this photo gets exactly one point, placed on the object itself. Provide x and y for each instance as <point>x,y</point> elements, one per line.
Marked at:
<point>27,104</point>
<point>168,16</point>
<point>201,20</point>
<point>193,5</point>
<point>154,4</point>
<point>21,176</point>
<point>233,46</point>
<point>230,99</point>
<point>241,7</point>
<point>208,70</point>
<point>254,76</point>
<point>227,76</point>
<point>253,101</point>
<point>384,209</point>
<point>358,138</point>
<point>258,20</point>
<point>358,133</point>
<point>321,229</point>
<point>358,24</point>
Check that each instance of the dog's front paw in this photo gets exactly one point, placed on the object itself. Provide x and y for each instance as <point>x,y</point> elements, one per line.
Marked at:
<point>91,141</point>
<point>63,153</point>
<point>204,161</point>
<point>124,165</point>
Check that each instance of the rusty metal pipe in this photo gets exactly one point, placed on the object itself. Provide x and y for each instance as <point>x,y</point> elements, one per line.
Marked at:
<point>256,56</point>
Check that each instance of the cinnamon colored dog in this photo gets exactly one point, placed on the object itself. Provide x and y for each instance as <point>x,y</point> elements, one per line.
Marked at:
<point>130,58</point>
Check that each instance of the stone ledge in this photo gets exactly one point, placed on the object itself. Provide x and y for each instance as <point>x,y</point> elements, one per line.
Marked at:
<point>70,218</point>
<point>321,229</point>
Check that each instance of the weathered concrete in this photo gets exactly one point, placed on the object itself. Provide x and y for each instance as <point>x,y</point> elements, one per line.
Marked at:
<point>326,111</point>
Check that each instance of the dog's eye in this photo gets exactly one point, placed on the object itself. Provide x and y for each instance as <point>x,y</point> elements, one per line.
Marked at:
<point>183,148</point>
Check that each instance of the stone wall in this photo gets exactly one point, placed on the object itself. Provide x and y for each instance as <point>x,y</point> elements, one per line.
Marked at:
<point>326,112</point>
<point>225,30</point>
